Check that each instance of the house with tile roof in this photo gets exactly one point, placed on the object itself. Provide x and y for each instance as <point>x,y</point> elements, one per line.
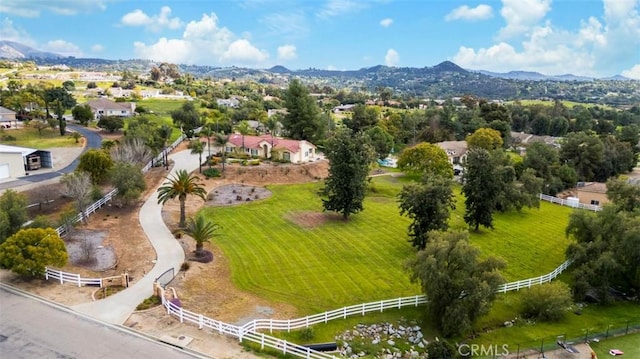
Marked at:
<point>265,146</point>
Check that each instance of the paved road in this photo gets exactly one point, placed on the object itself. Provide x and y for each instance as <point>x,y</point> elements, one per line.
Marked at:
<point>33,328</point>
<point>93,141</point>
<point>169,254</point>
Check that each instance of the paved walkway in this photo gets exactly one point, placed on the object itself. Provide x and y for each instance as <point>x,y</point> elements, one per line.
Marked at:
<point>169,254</point>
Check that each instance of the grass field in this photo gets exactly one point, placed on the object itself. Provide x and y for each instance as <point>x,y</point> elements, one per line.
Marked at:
<point>29,137</point>
<point>566,103</point>
<point>629,344</point>
<point>342,263</point>
<point>161,107</point>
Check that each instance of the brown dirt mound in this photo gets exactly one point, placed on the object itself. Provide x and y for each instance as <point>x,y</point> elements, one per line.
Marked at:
<point>312,219</point>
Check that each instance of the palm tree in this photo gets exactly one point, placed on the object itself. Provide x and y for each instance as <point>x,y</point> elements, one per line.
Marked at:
<point>244,129</point>
<point>272,124</point>
<point>220,140</point>
<point>164,132</point>
<point>181,185</point>
<point>207,131</point>
<point>197,148</point>
<point>201,230</point>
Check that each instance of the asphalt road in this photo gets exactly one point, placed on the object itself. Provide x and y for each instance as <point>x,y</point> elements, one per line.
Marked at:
<point>93,141</point>
<point>31,328</point>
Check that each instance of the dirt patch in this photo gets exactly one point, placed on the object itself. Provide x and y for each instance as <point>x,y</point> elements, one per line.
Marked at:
<point>235,194</point>
<point>85,249</point>
<point>312,219</point>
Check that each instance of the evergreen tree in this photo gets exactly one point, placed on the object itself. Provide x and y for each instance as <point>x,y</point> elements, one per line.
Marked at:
<point>480,188</point>
<point>302,121</point>
<point>349,157</point>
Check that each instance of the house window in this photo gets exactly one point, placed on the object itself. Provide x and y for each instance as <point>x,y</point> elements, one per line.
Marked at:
<point>595,202</point>
<point>306,153</point>
<point>456,160</point>
<point>123,112</point>
<point>228,149</point>
<point>286,156</point>
<point>254,152</point>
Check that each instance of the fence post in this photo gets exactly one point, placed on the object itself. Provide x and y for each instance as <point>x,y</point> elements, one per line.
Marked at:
<point>79,283</point>
<point>199,321</point>
<point>416,300</point>
<point>181,315</point>
<point>46,274</point>
<point>363,309</point>
<point>399,303</point>
<point>344,312</point>
<point>261,340</point>
<point>381,306</point>
<point>325,318</point>
<point>271,325</point>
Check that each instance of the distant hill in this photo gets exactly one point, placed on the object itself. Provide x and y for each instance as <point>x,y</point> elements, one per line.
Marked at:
<point>536,76</point>
<point>13,50</point>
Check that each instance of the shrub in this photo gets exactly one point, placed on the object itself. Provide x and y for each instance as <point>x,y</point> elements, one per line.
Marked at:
<point>8,138</point>
<point>547,302</point>
<point>185,266</point>
<point>150,302</point>
<point>307,334</point>
<point>211,172</point>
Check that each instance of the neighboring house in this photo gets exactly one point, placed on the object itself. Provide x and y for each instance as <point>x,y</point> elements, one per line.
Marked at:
<point>456,151</point>
<point>18,161</point>
<point>228,102</point>
<point>105,107</point>
<point>527,138</point>
<point>7,117</point>
<point>594,193</point>
<point>282,149</point>
<point>344,108</point>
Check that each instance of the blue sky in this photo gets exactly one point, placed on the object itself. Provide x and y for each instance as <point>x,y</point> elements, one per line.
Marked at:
<point>584,37</point>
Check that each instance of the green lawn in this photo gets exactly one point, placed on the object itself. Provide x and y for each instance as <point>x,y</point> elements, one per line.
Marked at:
<point>29,137</point>
<point>629,344</point>
<point>343,263</point>
<point>161,107</point>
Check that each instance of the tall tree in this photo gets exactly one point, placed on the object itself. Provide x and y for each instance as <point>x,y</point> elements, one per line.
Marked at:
<point>181,185</point>
<point>13,213</point>
<point>584,152</point>
<point>197,148</point>
<point>82,114</point>
<point>302,121</point>
<point>458,285</point>
<point>201,230</point>
<point>96,163</point>
<point>77,185</point>
<point>30,250</point>
<point>128,179</point>
<point>428,205</point>
<point>486,138</point>
<point>381,141</point>
<point>425,159</point>
<point>349,156</point>
<point>187,117</point>
<point>362,118</point>
<point>606,252</point>
<point>480,188</point>
<point>220,140</point>
<point>244,129</point>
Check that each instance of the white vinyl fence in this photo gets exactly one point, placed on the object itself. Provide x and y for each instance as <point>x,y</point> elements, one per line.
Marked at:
<point>109,196</point>
<point>573,204</point>
<point>250,330</point>
<point>65,277</point>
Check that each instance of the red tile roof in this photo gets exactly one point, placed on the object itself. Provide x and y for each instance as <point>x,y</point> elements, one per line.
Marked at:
<point>254,142</point>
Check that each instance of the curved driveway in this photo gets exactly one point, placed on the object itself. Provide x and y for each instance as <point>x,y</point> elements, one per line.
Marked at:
<point>93,141</point>
<point>169,254</point>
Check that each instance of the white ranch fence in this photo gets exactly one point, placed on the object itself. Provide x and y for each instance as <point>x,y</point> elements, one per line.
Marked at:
<point>573,204</point>
<point>65,277</point>
<point>109,196</point>
<point>250,330</point>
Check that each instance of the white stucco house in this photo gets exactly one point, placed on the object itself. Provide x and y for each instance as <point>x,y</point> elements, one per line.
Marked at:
<point>266,147</point>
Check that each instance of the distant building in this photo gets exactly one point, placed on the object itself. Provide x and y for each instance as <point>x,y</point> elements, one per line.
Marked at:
<point>104,107</point>
<point>7,117</point>
<point>228,102</point>
<point>594,193</point>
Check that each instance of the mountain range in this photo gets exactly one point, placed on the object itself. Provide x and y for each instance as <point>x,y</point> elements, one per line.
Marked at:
<point>16,51</point>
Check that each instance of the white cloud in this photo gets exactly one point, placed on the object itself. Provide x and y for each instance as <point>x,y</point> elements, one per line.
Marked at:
<point>392,58</point>
<point>386,22</point>
<point>288,25</point>
<point>334,8</point>
<point>152,23</point>
<point>632,73</point>
<point>480,12</point>
<point>601,46</point>
<point>287,52</point>
<point>97,48</point>
<point>203,42</point>
<point>521,15</point>
<point>11,33</point>
<point>34,8</point>
<point>62,47</point>
<point>243,51</point>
